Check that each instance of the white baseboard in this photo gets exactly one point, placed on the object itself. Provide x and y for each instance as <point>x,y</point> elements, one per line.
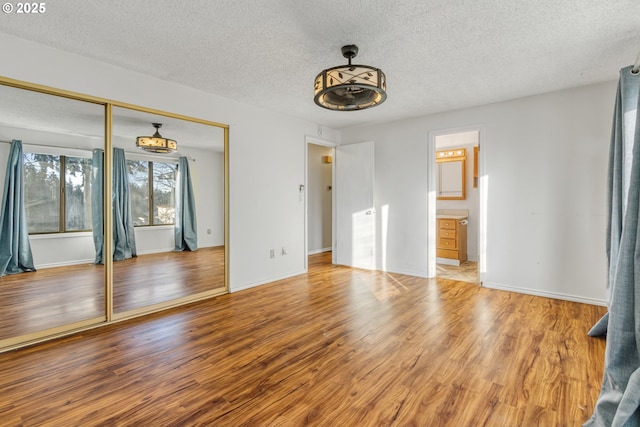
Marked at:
<point>261,282</point>
<point>318,251</point>
<point>64,264</point>
<point>447,261</point>
<point>554,295</point>
<point>156,251</point>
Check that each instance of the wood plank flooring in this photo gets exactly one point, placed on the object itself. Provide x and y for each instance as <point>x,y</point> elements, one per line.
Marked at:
<point>58,296</point>
<point>334,347</point>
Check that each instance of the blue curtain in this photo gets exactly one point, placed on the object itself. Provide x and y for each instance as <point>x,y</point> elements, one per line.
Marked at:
<point>186,227</point>
<point>15,250</point>
<point>97,203</point>
<point>124,242</point>
<point>619,400</point>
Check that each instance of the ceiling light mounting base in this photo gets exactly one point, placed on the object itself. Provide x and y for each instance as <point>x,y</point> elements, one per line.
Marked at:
<point>350,51</point>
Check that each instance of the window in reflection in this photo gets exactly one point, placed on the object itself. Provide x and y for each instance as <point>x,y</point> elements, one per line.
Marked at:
<point>49,207</point>
<point>42,192</point>
<point>158,179</point>
<point>164,193</point>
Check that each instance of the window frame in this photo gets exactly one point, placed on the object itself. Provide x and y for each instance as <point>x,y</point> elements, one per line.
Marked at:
<point>150,202</point>
<point>62,193</point>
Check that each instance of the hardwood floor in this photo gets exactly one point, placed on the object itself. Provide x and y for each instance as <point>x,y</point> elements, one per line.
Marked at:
<point>334,347</point>
<point>52,297</point>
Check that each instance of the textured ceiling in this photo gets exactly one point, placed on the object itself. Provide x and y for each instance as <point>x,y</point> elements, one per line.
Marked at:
<point>438,55</point>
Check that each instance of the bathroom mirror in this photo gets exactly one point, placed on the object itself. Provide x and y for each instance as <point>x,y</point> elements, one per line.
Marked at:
<point>451,174</point>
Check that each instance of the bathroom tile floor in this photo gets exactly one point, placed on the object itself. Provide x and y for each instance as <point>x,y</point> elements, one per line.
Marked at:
<point>467,272</point>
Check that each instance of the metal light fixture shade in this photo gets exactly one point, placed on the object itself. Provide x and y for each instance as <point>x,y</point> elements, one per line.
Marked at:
<point>156,143</point>
<point>350,87</point>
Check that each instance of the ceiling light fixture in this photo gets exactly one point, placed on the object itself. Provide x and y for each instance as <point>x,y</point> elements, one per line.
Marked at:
<point>350,87</point>
<point>156,143</point>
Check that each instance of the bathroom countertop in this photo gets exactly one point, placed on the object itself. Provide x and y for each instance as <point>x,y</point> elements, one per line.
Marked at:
<point>443,216</point>
<point>452,214</point>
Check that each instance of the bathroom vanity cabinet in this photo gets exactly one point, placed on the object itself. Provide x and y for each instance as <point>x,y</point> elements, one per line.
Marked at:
<point>452,239</point>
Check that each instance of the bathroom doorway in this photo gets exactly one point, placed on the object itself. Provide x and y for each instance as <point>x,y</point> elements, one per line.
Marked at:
<point>456,164</point>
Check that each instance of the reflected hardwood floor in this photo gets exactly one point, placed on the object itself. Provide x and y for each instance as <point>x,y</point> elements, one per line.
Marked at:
<point>161,277</point>
<point>333,347</point>
<point>57,296</point>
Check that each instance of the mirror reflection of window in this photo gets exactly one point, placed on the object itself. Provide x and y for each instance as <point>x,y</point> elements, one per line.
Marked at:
<point>156,179</point>
<point>164,193</point>
<point>47,210</point>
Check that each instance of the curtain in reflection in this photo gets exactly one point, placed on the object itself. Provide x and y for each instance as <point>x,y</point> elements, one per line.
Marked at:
<point>124,242</point>
<point>619,400</point>
<point>97,203</point>
<point>15,250</point>
<point>186,233</point>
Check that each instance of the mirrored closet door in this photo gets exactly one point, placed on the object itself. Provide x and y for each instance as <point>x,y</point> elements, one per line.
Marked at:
<point>111,211</point>
<point>49,280</point>
<point>169,246</point>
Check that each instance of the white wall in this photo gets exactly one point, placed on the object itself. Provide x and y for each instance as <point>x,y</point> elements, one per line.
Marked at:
<point>207,178</point>
<point>544,162</point>
<point>319,181</point>
<point>266,151</point>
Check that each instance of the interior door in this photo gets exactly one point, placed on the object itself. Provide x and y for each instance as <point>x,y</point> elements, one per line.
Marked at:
<point>355,213</point>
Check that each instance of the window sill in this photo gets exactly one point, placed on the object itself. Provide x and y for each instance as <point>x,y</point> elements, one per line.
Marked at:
<point>60,235</point>
<point>154,227</point>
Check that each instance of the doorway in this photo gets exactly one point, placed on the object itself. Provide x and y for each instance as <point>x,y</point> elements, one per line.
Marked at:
<point>320,206</point>
<point>456,227</point>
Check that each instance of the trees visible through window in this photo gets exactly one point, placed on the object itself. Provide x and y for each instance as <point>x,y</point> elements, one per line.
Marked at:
<point>164,193</point>
<point>152,188</point>
<point>58,193</point>
<point>77,199</point>
<point>55,205</point>
<point>139,191</point>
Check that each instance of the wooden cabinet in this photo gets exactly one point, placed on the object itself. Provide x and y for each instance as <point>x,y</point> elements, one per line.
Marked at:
<point>451,240</point>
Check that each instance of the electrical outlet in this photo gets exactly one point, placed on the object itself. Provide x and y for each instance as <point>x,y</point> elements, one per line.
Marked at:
<point>272,253</point>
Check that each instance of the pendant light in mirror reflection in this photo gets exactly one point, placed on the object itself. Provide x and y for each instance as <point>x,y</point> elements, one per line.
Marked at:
<point>156,143</point>
<point>350,87</point>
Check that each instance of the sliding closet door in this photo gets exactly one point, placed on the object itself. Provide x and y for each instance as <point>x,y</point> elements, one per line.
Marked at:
<point>169,212</point>
<point>48,191</point>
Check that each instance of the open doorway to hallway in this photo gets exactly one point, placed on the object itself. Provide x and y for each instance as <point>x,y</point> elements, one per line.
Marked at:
<point>457,205</point>
<point>319,198</point>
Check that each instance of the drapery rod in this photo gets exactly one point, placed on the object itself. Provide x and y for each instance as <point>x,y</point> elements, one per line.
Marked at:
<point>48,146</point>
